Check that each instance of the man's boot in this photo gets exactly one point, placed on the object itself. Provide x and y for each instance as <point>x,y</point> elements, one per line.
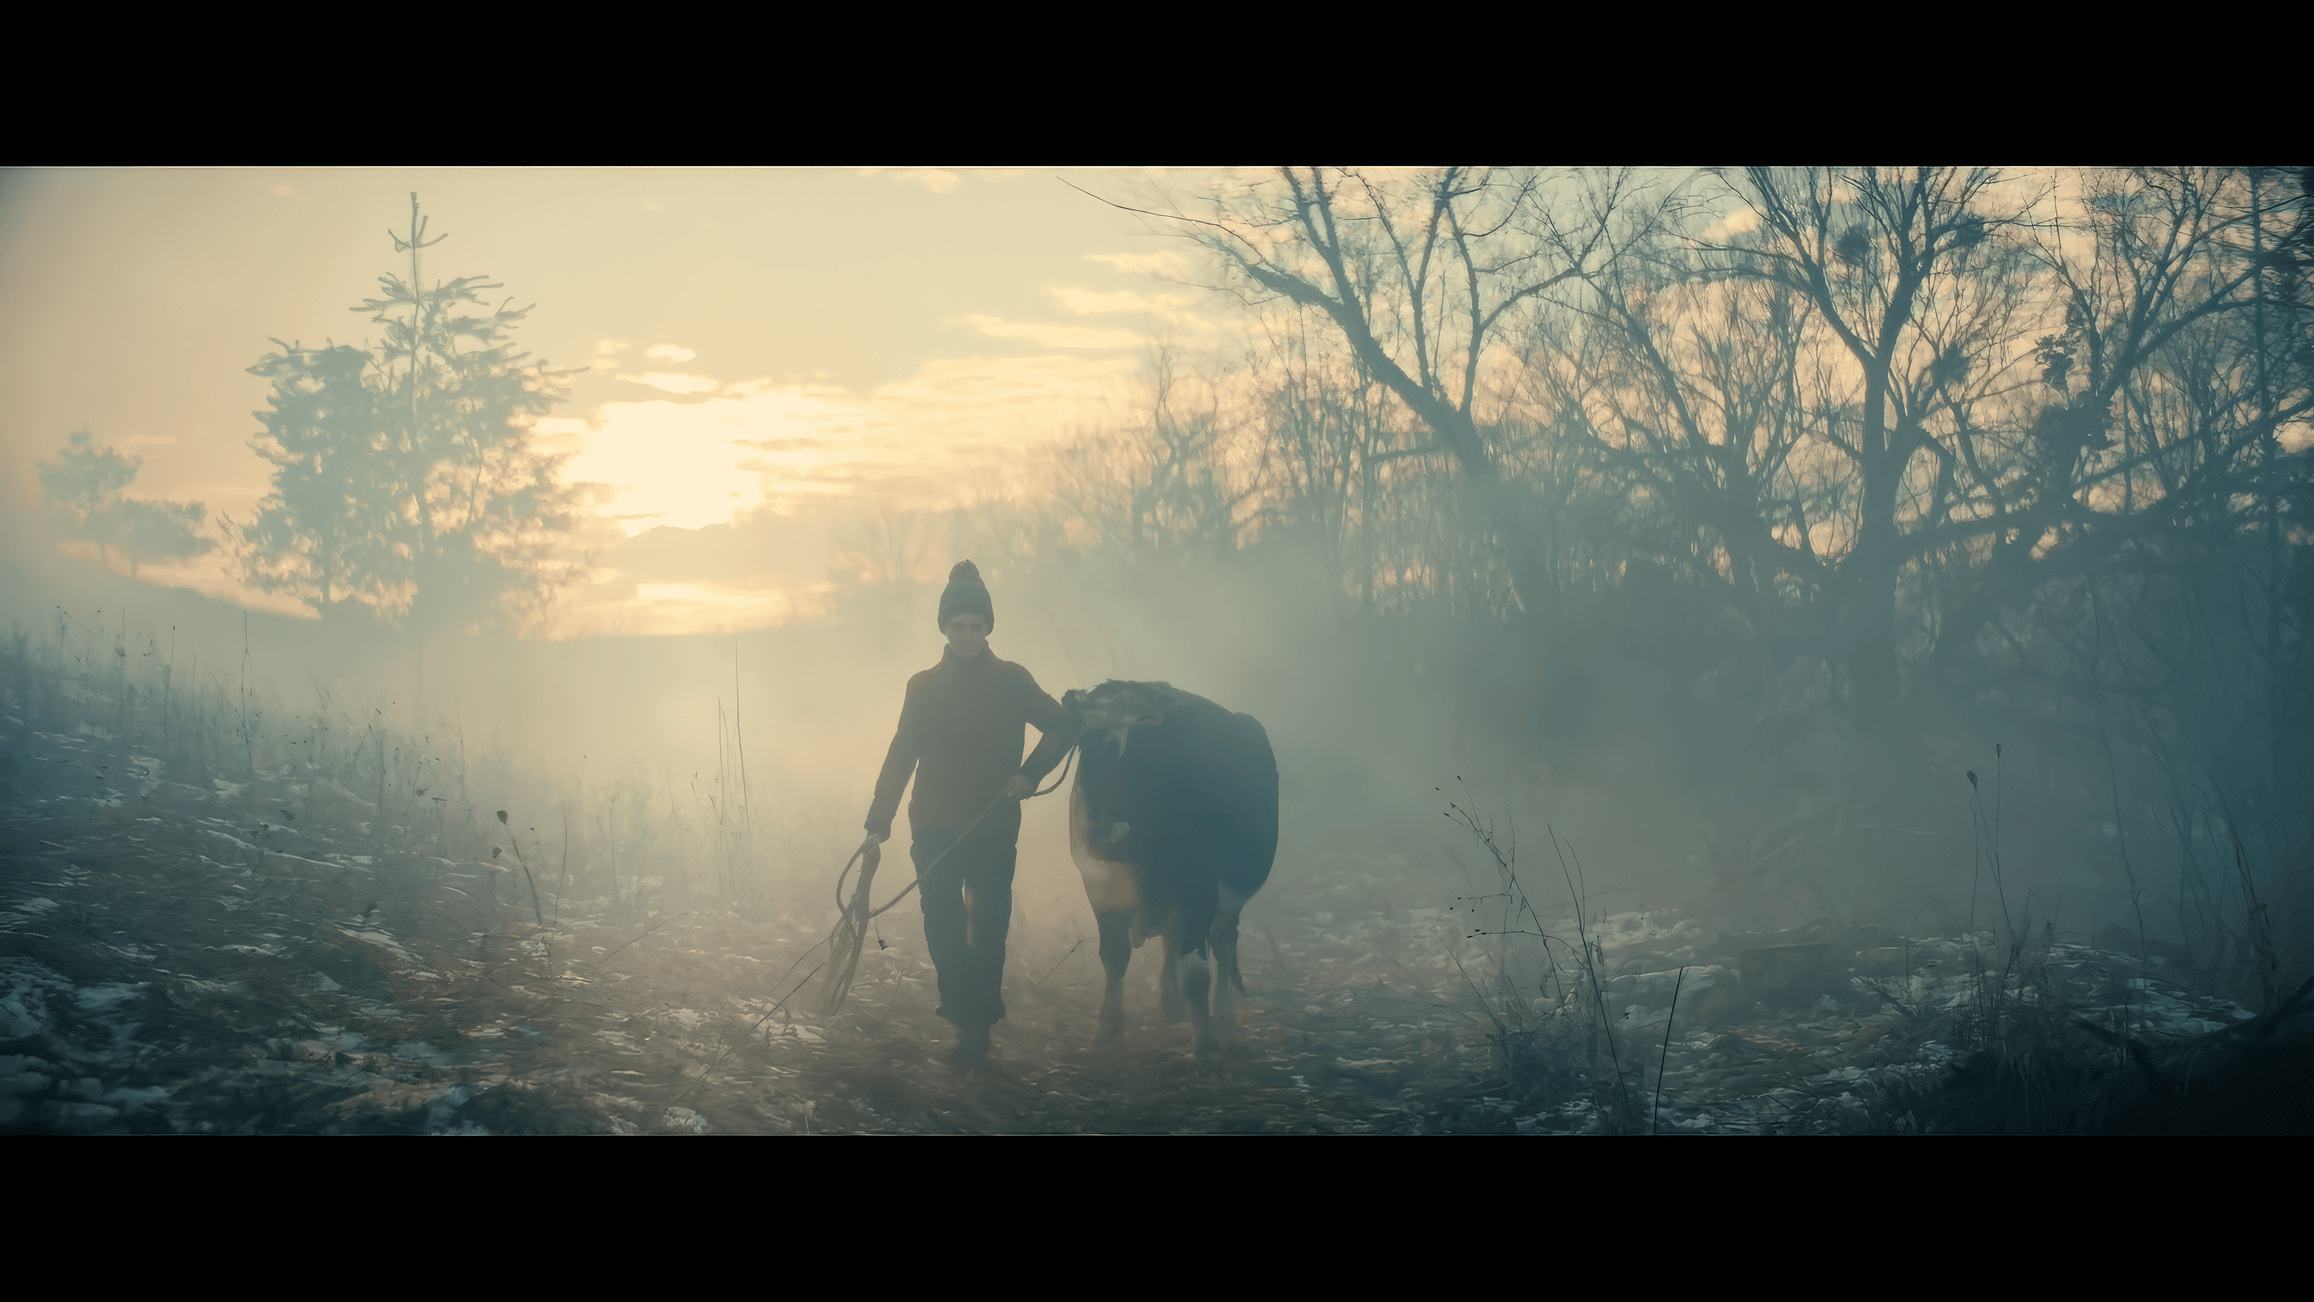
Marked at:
<point>971,1047</point>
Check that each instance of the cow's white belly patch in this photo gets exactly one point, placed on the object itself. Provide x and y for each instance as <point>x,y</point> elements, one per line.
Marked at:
<point>1108,886</point>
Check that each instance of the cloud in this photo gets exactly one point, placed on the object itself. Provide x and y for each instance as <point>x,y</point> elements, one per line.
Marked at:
<point>763,568</point>
<point>1174,309</point>
<point>287,191</point>
<point>938,180</point>
<point>784,445</point>
<point>1733,224</point>
<point>668,609</point>
<point>1171,264</point>
<point>730,510</point>
<point>1054,336</point>
<point>941,180</point>
<point>762,549</point>
<point>669,352</point>
<point>607,353</point>
<point>922,441</point>
<point>1087,302</point>
<point>653,205</point>
<point>149,441</point>
<point>674,382</point>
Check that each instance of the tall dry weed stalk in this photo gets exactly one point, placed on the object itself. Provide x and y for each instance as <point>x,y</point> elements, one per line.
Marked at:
<point>1551,1046</point>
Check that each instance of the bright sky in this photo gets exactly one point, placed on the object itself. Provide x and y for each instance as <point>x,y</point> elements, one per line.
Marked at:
<point>767,350</point>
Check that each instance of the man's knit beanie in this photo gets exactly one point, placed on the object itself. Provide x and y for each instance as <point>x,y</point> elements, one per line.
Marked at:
<point>965,592</point>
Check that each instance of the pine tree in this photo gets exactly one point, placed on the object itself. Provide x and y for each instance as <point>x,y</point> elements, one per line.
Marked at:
<point>406,481</point>
<point>326,534</point>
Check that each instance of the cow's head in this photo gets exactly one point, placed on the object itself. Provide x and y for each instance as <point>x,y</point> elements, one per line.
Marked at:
<point>1117,704</point>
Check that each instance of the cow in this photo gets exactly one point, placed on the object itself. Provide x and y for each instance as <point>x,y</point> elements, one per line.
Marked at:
<point>1173,822</point>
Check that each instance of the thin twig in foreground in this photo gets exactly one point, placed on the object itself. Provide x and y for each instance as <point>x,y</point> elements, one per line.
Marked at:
<point>710,1068</point>
<point>646,931</point>
<point>1669,1019</point>
<point>1057,963</point>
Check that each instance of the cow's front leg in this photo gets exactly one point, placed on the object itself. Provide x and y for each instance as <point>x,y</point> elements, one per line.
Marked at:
<point>1196,990</point>
<point>1116,952</point>
<point>1231,985</point>
<point>1175,1008</point>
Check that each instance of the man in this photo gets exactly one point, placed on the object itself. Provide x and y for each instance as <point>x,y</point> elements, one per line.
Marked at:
<point>961,729</point>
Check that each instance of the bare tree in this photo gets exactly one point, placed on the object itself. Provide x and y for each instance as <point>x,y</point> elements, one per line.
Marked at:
<point>1916,278</point>
<point>891,546</point>
<point>1175,486</point>
<point>1698,395</point>
<point>1420,273</point>
<point>2147,567</point>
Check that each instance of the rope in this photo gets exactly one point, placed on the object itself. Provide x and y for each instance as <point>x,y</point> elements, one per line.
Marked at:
<point>1067,759</point>
<point>841,986</point>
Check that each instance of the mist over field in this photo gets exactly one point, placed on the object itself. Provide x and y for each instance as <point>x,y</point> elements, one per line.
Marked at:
<point>1745,651</point>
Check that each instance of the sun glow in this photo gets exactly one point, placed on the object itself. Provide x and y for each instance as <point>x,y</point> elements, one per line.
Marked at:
<point>764,444</point>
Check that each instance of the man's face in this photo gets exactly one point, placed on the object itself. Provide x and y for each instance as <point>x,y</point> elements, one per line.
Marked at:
<point>968,633</point>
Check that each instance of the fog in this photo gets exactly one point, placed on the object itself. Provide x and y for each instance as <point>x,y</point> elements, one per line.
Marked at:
<point>1629,616</point>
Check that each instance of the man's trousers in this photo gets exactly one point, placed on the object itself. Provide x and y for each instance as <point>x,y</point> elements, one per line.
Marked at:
<point>967,900</point>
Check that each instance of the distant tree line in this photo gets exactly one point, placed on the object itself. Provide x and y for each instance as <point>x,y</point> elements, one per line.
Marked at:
<point>86,484</point>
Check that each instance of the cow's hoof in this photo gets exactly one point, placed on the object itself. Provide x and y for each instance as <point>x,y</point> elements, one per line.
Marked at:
<point>1108,1034</point>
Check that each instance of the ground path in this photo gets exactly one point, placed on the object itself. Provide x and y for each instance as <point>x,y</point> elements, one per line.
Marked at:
<point>180,958</point>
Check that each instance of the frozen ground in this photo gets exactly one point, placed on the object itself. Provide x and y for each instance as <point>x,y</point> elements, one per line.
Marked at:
<point>180,957</point>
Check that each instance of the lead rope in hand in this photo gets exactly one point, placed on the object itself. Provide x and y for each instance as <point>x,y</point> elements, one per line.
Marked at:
<point>857,940</point>
<point>1068,758</point>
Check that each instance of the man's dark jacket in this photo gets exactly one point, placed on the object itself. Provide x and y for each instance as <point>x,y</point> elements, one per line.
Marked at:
<point>961,729</point>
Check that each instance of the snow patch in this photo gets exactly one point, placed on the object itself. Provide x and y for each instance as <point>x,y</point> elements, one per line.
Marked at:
<point>99,998</point>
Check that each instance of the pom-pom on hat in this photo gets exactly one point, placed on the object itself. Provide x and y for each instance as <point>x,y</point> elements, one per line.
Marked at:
<point>965,592</point>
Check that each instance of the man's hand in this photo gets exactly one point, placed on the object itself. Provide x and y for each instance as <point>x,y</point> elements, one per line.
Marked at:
<point>872,849</point>
<point>1019,788</point>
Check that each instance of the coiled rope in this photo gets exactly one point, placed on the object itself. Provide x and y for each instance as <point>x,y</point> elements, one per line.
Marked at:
<point>840,987</point>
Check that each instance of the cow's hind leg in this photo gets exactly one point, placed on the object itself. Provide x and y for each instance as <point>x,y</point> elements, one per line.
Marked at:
<point>1230,984</point>
<point>1116,952</point>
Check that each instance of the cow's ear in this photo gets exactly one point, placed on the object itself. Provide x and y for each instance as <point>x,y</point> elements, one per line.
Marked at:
<point>1072,700</point>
